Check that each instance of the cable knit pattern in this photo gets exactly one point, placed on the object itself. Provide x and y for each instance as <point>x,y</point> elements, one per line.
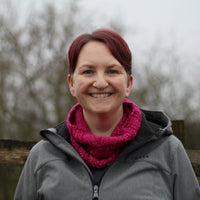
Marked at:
<point>99,151</point>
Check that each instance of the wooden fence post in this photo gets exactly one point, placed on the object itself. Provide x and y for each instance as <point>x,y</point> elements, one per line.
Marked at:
<point>178,129</point>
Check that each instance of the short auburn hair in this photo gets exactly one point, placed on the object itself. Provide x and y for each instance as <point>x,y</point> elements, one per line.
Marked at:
<point>116,44</point>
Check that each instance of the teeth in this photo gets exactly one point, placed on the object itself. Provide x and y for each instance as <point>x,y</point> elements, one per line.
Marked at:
<point>100,95</point>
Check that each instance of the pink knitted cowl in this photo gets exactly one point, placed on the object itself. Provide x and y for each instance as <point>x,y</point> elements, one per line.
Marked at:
<point>99,151</point>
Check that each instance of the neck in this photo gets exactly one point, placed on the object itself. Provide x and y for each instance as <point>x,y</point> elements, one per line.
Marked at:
<point>103,124</point>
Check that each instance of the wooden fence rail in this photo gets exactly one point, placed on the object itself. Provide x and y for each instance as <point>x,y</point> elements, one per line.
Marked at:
<point>14,153</point>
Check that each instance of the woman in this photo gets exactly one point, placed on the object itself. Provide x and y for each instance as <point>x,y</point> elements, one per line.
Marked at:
<point>108,148</point>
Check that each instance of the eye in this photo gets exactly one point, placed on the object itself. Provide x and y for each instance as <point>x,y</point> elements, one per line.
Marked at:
<point>112,71</point>
<point>87,72</point>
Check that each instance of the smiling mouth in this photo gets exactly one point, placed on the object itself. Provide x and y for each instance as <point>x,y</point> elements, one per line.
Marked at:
<point>102,95</point>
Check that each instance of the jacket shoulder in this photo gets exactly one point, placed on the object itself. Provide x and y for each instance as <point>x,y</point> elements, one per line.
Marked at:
<point>42,153</point>
<point>173,141</point>
<point>171,145</point>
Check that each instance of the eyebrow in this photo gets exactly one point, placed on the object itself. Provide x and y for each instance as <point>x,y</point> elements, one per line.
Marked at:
<point>92,66</point>
<point>87,65</point>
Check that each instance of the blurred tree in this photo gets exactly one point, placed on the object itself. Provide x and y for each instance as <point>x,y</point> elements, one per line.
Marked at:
<point>33,71</point>
<point>161,83</point>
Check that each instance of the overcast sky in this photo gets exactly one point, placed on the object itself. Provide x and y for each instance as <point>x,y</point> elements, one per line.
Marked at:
<point>178,20</point>
<point>146,20</point>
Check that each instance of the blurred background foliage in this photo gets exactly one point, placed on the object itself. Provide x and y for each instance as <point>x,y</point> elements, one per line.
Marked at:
<point>33,76</point>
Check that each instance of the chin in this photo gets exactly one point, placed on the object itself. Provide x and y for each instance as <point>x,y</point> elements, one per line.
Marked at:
<point>103,111</point>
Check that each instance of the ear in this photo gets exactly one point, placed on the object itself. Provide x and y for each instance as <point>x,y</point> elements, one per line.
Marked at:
<point>71,85</point>
<point>129,86</point>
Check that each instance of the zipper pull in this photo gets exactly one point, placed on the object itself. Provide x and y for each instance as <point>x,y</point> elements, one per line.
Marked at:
<point>95,192</point>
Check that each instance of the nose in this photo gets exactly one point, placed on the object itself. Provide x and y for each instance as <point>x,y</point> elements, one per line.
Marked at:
<point>100,82</point>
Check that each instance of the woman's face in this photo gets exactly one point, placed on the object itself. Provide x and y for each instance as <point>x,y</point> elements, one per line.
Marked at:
<point>100,83</point>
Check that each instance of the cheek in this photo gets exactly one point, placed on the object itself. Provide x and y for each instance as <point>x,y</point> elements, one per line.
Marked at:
<point>80,86</point>
<point>121,85</point>
<point>123,88</point>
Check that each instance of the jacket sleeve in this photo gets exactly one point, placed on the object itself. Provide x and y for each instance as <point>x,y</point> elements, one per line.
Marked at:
<point>26,187</point>
<point>186,185</point>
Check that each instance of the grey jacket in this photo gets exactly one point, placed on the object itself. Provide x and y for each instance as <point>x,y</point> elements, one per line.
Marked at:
<point>154,166</point>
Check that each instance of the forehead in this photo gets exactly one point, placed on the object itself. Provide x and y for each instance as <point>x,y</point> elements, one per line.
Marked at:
<point>96,52</point>
<point>93,47</point>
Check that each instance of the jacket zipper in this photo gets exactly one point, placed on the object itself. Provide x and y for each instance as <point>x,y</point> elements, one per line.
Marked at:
<point>95,192</point>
